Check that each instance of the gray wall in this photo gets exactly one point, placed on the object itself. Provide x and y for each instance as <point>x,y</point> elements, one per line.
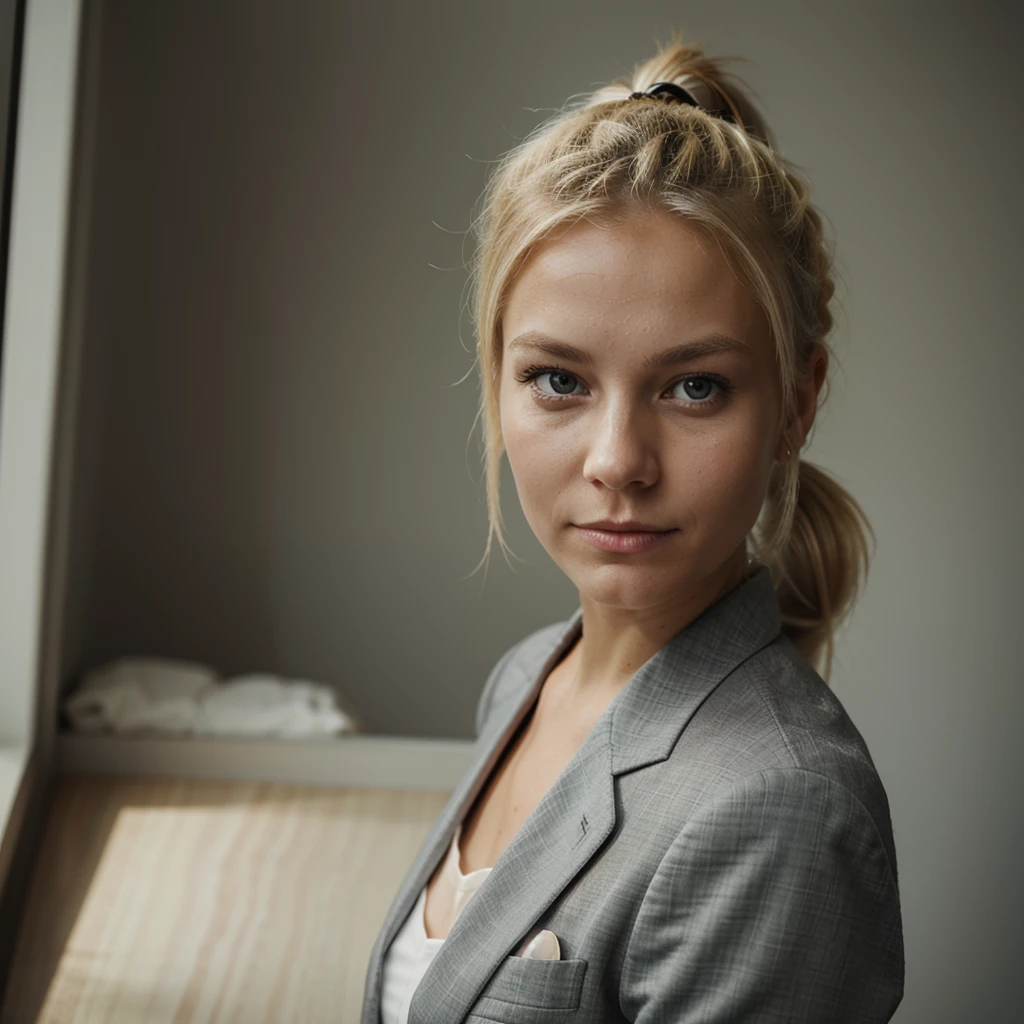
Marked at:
<point>273,469</point>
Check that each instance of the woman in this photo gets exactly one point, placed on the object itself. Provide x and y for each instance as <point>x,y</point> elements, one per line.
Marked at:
<point>670,816</point>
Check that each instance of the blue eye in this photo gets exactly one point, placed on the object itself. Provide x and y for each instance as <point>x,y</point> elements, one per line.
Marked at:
<point>559,380</point>
<point>703,386</point>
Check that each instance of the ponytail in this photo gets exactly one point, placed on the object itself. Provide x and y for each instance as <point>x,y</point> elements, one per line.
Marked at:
<point>817,546</point>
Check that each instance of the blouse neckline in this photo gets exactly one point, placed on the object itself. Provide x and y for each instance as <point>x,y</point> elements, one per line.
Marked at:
<point>464,886</point>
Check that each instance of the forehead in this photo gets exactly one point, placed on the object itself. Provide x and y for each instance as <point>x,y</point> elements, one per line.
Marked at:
<point>651,275</point>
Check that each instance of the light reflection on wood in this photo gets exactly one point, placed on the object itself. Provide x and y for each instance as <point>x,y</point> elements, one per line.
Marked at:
<point>180,901</point>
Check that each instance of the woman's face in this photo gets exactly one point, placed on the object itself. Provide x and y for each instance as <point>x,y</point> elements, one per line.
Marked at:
<point>615,429</point>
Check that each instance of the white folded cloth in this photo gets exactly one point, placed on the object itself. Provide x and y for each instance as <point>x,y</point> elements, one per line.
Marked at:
<point>129,694</point>
<point>540,945</point>
<point>262,705</point>
<point>183,697</point>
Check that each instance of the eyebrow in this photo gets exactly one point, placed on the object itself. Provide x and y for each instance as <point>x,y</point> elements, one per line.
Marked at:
<point>703,346</point>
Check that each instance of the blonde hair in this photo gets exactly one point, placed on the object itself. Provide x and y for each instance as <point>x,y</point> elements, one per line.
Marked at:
<point>605,155</point>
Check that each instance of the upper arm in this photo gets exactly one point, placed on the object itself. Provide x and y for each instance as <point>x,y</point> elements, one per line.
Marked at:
<point>483,705</point>
<point>775,903</point>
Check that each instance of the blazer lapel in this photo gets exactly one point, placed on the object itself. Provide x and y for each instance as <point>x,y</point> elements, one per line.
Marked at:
<point>577,814</point>
<point>492,744</point>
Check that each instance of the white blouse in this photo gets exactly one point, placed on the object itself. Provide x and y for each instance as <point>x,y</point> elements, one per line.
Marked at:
<point>411,952</point>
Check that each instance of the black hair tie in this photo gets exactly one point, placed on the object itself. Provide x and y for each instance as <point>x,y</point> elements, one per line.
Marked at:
<point>669,91</point>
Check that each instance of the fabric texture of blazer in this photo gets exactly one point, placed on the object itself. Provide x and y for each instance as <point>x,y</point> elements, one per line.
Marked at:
<point>719,848</point>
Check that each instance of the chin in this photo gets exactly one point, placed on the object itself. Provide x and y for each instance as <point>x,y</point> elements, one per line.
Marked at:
<point>624,585</point>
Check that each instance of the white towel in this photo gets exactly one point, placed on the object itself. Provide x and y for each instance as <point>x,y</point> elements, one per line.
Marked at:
<point>129,694</point>
<point>262,705</point>
<point>181,697</point>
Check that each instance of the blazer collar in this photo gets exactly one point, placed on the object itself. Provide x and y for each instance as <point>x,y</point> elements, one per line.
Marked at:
<point>657,702</point>
<point>574,817</point>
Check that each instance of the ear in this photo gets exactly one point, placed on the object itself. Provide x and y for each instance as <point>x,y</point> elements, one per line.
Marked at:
<point>807,390</point>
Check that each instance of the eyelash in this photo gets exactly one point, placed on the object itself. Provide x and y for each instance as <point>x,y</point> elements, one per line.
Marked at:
<point>531,373</point>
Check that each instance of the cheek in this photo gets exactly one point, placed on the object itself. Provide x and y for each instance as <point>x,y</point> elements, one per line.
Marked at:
<point>722,479</point>
<point>544,463</point>
<point>533,452</point>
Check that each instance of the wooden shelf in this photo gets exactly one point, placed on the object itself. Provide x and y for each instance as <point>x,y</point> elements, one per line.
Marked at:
<point>352,759</point>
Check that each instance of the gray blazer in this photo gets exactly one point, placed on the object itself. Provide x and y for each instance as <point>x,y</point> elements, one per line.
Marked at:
<point>719,848</point>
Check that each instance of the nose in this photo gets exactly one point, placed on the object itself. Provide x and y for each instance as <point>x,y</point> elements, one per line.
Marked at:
<point>622,449</point>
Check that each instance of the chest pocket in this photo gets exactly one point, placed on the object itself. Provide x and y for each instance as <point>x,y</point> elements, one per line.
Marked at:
<point>526,991</point>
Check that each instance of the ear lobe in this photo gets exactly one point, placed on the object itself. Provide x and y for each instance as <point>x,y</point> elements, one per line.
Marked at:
<point>784,446</point>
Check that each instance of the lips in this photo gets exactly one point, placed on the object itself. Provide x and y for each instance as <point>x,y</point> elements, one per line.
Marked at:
<point>623,541</point>
<point>625,526</point>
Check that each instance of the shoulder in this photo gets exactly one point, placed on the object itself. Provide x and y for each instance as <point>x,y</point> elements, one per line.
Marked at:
<point>516,667</point>
<point>786,878</point>
<point>774,719</point>
<point>771,837</point>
